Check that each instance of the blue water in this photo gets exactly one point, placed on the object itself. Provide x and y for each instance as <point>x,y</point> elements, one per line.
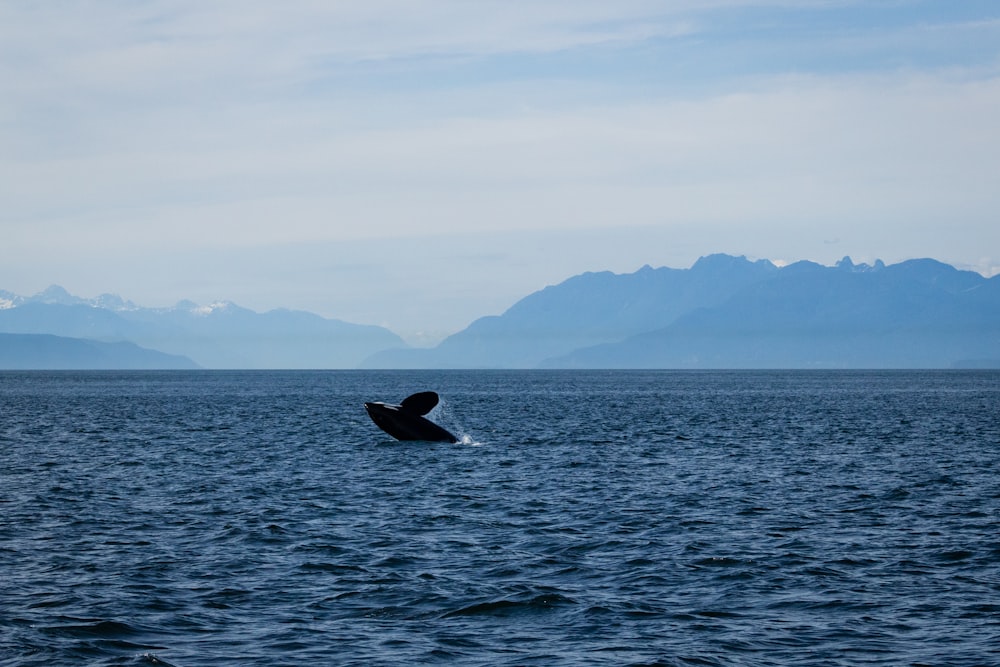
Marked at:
<point>586,518</point>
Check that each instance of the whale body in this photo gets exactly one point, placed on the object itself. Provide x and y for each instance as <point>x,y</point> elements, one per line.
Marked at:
<point>406,421</point>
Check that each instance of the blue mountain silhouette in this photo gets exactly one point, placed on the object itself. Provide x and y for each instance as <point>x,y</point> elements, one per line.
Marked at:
<point>47,352</point>
<point>723,312</point>
<point>729,312</point>
<point>222,335</point>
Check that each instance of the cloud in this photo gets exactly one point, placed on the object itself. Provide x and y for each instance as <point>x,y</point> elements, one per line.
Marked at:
<point>109,44</point>
<point>850,148</point>
<point>635,131</point>
<point>159,52</point>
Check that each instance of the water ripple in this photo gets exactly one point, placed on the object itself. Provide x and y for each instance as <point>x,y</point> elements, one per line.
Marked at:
<point>632,518</point>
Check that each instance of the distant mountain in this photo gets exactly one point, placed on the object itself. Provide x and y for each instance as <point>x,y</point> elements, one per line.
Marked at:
<point>723,312</point>
<point>916,314</point>
<point>221,335</point>
<point>729,312</point>
<point>47,352</point>
<point>585,310</point>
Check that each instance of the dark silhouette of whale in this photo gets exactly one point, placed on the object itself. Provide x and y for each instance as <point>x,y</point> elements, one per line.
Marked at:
<point>406,420</point>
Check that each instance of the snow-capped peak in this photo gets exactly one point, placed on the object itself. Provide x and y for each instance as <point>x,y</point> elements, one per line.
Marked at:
<point>9,300</point>
<point>113,302</point>
<point>195,309</point>
<point>54,294</point>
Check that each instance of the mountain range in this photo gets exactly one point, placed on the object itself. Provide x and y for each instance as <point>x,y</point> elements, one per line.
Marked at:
<point>723,312</point>
<point>916,314</point>
<point>220,335</point>
<point>729,312</point>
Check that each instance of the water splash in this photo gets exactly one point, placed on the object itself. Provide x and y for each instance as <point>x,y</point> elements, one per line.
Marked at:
<point>441,414</point>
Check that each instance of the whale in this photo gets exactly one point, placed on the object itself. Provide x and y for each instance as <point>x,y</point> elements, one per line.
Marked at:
<point>406,421</point>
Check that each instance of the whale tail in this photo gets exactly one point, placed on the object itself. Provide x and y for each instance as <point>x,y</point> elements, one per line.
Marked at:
<point>420,403</point>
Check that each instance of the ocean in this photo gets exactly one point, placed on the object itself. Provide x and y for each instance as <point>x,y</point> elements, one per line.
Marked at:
<point>586,518</point>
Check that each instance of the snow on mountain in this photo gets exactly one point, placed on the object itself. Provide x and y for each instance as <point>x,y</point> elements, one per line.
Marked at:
<point>9,300</point>
<point>57,295</point>
<point>218,335</point>
<point>54,294</point>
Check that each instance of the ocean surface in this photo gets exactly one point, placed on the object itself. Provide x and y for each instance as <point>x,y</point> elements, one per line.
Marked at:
<point>586,518</point>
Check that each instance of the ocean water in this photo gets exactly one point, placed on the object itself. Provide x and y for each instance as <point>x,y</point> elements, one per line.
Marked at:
<point>586,518</point>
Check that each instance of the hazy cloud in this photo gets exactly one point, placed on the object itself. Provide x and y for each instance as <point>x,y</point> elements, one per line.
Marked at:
<point>233,129</point>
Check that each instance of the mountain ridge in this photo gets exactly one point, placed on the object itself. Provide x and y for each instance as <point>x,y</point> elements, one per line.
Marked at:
<point>803,315</point>
<point>586,309</point>
<point>220,335</point>
<point>48,352</point>
<point>723,311</point>
<point>915,314</point>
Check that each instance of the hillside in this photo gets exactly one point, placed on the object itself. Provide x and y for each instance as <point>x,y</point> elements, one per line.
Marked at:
<point>221,335</point>
<point>585,310</point>
<point>722,312</point>
<point>917,314</point>
<point>729,312</point>
<point>46,352</point>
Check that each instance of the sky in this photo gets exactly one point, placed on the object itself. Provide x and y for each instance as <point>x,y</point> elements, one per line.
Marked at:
<point>418,164</point>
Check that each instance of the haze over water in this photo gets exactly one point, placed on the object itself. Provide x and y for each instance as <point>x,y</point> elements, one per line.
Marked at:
<point>588,518</point>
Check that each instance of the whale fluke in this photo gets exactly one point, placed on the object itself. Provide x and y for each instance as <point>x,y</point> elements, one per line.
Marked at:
<point>420,403</point>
